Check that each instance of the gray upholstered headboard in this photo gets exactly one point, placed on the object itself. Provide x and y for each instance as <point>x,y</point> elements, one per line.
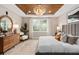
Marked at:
<point>71,28</point>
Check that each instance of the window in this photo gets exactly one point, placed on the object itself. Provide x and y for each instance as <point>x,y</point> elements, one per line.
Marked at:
<point>40,25</point>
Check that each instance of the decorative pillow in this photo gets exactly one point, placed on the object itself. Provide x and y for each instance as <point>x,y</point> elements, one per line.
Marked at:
<point>72,39</point>
<point>64,38</point>
<point>77,42</point>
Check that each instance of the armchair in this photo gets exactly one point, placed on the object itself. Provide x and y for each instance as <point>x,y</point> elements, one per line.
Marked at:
<point>23,37</point>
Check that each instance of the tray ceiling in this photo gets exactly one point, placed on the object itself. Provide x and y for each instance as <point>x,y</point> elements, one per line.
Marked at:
<point>50,8</point>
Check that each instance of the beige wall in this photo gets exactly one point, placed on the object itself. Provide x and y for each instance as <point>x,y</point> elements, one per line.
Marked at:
<point>26,20</point>
<point>53,22</point>
<point>15,18</point>
<point>62,20</point>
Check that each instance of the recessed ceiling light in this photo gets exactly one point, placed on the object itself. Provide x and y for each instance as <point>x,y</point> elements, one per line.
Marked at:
<point>49,11</point>
<point>29,11</point>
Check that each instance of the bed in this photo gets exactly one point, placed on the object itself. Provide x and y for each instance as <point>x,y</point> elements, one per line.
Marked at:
<point>48,45</point>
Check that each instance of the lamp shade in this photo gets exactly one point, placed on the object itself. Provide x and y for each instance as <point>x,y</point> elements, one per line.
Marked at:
<point>58,28</point>
<point>16,27</point>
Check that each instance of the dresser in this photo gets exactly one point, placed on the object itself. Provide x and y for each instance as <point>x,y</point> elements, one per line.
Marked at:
<point>8,42</point>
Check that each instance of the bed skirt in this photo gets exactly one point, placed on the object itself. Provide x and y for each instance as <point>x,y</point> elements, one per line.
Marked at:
<point>47,53</point>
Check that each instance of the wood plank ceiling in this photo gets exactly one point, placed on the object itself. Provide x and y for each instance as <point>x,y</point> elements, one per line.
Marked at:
<point>50,8</point>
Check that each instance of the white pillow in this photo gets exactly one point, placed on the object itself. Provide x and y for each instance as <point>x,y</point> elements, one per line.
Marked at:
<point>77,41</point>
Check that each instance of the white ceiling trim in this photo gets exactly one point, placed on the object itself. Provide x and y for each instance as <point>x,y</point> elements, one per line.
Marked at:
<point>73,11</point>
<point>40,16</point>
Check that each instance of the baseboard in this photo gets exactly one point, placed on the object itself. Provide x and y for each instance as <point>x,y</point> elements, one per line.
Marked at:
<point>35,38</point>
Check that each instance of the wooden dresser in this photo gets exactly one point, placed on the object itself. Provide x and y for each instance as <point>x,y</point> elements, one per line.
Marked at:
<point>8,42</point>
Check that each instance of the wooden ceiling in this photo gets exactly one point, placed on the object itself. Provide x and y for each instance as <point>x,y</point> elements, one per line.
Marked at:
<point>50,8</point>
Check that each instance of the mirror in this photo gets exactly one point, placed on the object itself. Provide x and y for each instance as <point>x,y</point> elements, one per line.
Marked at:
<point>6,23</point>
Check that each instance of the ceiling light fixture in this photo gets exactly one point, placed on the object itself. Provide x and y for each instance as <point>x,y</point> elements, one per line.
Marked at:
<point>49,11</point>
<point>29,11</point>
<point>39,10</point>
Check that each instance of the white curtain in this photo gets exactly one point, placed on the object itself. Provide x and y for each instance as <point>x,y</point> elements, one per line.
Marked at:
<point>30,29</point>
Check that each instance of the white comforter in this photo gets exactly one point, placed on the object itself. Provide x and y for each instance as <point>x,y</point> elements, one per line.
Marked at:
<point>50,44</point>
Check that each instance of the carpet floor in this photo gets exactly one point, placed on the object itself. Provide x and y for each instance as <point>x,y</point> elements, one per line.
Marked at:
<point>27,47</point>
